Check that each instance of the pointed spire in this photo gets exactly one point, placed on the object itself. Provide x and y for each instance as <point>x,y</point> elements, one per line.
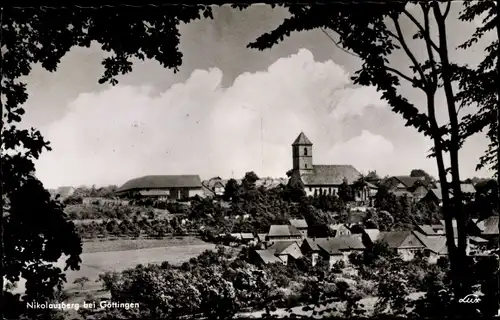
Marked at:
<point>302,140</point>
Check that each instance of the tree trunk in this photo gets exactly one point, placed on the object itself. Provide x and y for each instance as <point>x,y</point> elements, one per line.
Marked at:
<point>460,253</point>
<point>498,107</point>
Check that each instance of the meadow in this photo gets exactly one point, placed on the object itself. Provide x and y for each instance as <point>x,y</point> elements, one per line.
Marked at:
<point>118,255</point>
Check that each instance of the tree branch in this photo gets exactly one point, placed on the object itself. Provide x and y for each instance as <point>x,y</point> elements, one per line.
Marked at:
<point>447,10</point>
<point>402,75</point>
<point>432,61</point>
<point>419,26</point>
<point>407,50</point>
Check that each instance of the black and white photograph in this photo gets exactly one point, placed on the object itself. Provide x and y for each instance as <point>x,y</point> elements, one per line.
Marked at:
<point>330,160</point>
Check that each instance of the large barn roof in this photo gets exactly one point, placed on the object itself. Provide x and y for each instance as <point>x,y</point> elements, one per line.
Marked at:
<point>163,181</point>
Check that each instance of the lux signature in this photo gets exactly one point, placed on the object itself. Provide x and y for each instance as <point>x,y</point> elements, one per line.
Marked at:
<point>470,298</point>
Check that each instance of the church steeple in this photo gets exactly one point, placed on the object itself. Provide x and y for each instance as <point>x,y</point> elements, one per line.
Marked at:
<point>302,154</point>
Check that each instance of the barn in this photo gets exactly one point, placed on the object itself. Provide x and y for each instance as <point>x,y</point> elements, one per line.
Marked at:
<point>163,187</point>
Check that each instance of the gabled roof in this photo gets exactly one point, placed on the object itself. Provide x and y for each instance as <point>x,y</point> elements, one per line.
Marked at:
<point>280,246</point>
<point>283,231</point>
<point>409,181</point>
<point>400,239</point>
<point>311,243</point>
<point>163,181</point>
<point>247,236</point>
<point>489,225</point>
<point>331,175</point>
<point>427,229</point>
<point>335,246</point>
<point>267,256</point>
<point>261,237</point>
<point>478,240</point>
<point>372,234</point>
<point>467,188</point>
<point>299,223</point>
<point>434,244</point>
<point>302,140</point>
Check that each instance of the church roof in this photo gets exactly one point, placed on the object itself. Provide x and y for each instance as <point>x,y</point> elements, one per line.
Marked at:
<point>302,140</point>
<point>331,175</point>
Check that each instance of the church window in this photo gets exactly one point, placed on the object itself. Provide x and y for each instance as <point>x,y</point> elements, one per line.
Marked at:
<point>305,165</point>
<point>305,151</point>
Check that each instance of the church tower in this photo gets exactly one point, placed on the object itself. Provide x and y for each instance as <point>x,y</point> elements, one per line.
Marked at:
<point>302,154</point>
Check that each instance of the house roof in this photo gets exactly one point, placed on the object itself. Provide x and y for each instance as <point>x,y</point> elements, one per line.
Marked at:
<point>478,240</point>
<point>247,235</point>
<point>262,237</point>
<point>409,181</point>
<point>162,181</point>
<point>267,256</point>
<point>398,239</point>
<point>434,244</point>
<point>283,231</point>
<point>302,140</point>
<point>489,225</point>
<point>280,246</point>
<point>312,244</point>
<point>373,234</point>
<point>336,245</point>
<point>335,227</point>
<point>331,175</point>
<point>427,229</point>
<point>467,188</point>
<point>420,191</point>
<point>299,223</point>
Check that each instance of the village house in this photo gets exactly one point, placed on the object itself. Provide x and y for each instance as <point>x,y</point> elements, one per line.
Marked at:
<point>265,257</point>
<point>278,252</point>
<point>435,194</point>
<point>310,249</point>
<point>283,233</point>
<point>489,228</point>
<point>164,187</point>
<point>301,225</point>
<point>338,249</point>
<point>405,243</point>
<point>340,230</point>
<point>319,179</point>
<point>435,246</point>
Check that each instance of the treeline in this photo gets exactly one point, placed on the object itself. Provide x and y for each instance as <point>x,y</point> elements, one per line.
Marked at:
<point>136,227</point>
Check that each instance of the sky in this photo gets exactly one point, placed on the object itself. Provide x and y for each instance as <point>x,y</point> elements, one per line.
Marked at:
<point>229,110</point>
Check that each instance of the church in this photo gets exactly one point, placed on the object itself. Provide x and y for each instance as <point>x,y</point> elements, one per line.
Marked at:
<point>325,179</point>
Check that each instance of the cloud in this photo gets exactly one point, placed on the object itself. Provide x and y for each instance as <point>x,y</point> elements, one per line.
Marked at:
<point>201,127</point>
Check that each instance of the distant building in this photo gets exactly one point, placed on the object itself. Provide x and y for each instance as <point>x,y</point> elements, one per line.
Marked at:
<point>340,230</point>
<point>301,225</point>
<point>405,243</point>
<point>339,248</point>
<point>436,195</point>
<point>283,233</point>
<point>163,187</point>
<point>489,228</point>
<point>325,179</point>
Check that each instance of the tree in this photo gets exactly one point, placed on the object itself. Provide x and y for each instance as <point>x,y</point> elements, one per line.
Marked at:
<point>44,36</point>
<point>421,173</point>
<point>370,38</point>
<point>81,281</point>
<point>346,193</point>
<point>231,190</point>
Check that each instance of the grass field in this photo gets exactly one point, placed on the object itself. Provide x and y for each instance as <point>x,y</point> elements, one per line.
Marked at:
<point>118,255</point>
